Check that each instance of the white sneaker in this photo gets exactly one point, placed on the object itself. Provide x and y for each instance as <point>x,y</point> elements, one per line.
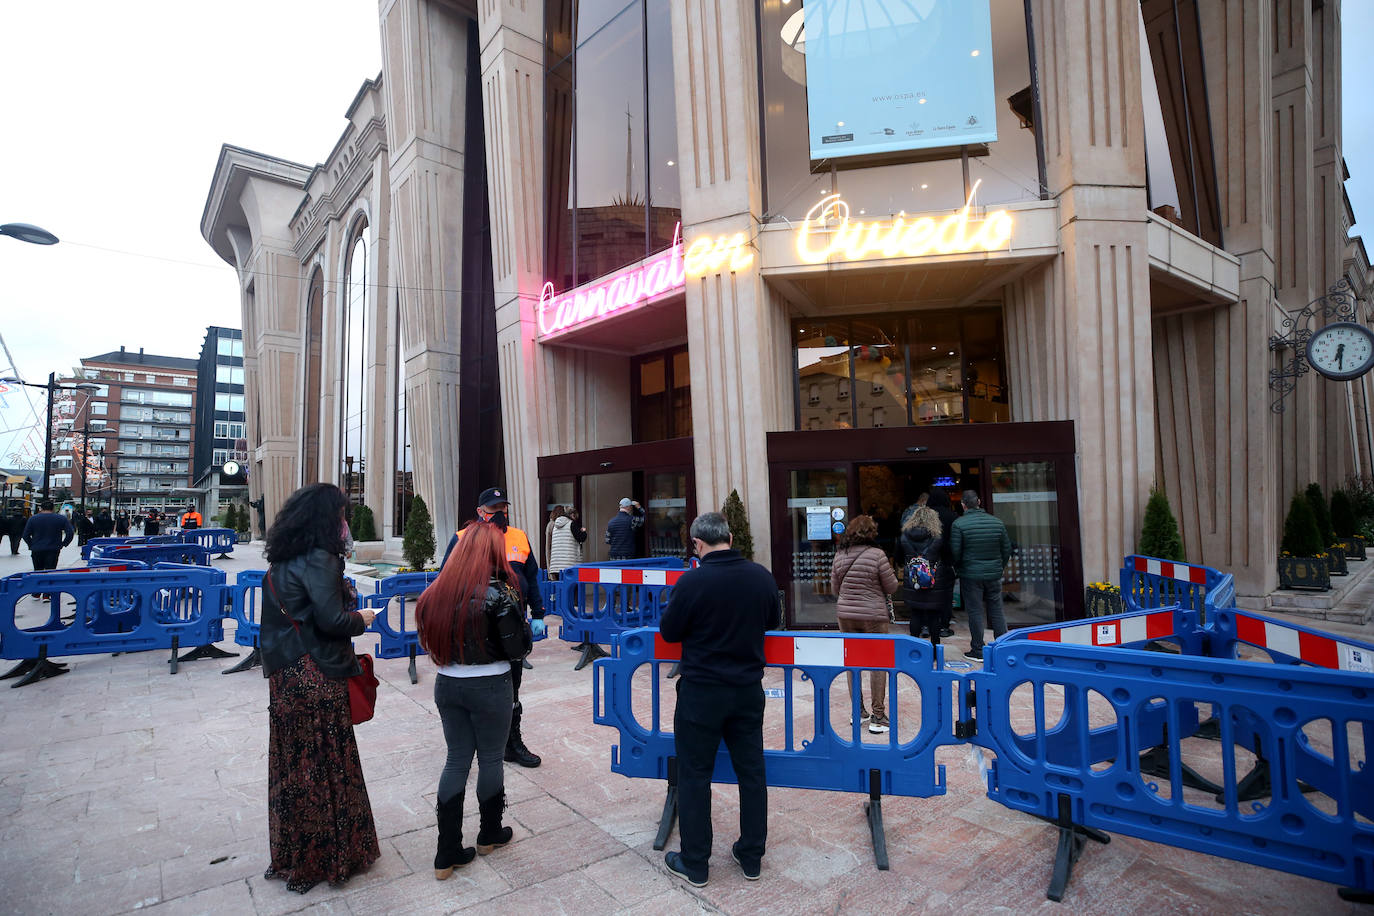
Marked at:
<point>862,719</point>
<point>877,728</point>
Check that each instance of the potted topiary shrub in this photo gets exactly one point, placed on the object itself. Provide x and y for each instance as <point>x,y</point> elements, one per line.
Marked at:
<point>1159,538</point>
<point>1346,526</point>
<point>241,524</point>
<point>1302,562</point>
<point>738,520</point>
<point>1321,511</point>
<point>418,546</point>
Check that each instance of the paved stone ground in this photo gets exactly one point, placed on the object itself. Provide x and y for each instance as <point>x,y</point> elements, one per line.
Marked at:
<point>123,787</point>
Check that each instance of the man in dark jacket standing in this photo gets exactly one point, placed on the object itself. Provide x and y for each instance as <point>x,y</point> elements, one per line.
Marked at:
<point>620,530</point>
<point>47,533</point>
<point>981,549</point>
<point>719,613</point>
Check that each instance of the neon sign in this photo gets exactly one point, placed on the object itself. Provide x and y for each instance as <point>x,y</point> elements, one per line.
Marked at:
<point>630,289</point>
<point>855,240</point>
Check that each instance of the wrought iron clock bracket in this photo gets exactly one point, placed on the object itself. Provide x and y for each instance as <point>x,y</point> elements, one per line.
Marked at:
<point>1339,304</point>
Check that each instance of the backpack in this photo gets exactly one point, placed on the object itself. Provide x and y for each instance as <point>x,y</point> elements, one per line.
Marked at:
<point>919,573</point>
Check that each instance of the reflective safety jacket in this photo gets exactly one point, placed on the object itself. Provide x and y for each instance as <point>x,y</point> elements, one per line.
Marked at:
<point>522,561</point>
<point>192,520</point>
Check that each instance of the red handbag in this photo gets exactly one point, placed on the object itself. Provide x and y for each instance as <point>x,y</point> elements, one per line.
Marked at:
<point>362,687</point>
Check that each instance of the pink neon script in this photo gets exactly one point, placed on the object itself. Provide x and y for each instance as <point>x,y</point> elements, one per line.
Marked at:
<point>620,292</point>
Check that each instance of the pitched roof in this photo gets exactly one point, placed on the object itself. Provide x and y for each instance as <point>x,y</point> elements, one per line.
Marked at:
<point>129,358</point>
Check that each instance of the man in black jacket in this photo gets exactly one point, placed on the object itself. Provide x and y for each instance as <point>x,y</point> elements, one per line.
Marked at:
<point>719,613</point>
<point>47,533</point>
<point>620,530</point>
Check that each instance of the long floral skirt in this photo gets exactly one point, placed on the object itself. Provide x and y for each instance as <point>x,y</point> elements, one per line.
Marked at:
<point>319,819</point>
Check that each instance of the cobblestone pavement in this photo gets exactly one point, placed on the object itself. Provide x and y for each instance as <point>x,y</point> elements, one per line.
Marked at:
<point>123,787</point>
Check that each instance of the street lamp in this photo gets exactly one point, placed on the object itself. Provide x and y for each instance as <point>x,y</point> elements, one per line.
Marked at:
<point>51,386</point>
<point>26,232</point>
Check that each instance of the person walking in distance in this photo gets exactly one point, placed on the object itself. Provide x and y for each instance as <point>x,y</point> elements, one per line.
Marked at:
<point>493,507</point>
<point>981,549</point>
<point>472,624</point>
<point>719,614</point>
<point>46,533</point>
<point>620,530</point>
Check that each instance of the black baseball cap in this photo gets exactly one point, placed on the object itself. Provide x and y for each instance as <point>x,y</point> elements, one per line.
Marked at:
<point>492,496</point>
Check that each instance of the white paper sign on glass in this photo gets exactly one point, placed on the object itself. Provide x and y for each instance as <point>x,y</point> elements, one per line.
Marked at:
<point>885,76</point>
<point>817,523</point>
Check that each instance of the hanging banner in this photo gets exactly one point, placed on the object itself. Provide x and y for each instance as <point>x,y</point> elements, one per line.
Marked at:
<point>885,76</point>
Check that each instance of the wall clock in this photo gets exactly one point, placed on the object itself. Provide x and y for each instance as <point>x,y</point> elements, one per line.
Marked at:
<point>1341,351</point>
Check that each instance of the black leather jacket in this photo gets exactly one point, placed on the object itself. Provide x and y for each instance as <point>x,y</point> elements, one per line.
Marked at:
<point>501,633</point>
<point>310,587</point>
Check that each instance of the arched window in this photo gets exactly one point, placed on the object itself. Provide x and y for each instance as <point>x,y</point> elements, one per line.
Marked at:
<point>357,297</point>
<point>405,478</point>
<point>310,405</point>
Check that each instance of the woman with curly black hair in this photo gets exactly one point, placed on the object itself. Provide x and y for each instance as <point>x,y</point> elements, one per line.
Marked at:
<point>320,825</point>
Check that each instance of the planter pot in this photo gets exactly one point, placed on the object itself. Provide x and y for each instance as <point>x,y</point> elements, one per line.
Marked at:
<point>245,537</point>
<point>1097,603</point>
<point>1336,562</point>
<point>1353,547</point>
<point>1304,573</point>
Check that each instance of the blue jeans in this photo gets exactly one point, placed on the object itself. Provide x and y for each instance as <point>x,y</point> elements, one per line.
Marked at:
<point>706,714</point>
<point>475,712</point>
<point>977,594</point>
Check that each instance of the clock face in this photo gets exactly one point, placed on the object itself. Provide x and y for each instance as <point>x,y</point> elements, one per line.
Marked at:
<point>1341,351</point>
<point>230,468</point>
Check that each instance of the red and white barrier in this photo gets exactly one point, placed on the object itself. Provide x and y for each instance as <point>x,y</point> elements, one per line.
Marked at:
<point>822,651</point>
<point>1313,648</point>
<point>617,576</point>
<point>1183,572</point>
<point>1137,628</point>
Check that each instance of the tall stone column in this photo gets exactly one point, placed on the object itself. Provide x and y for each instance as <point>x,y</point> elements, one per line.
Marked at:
<point>424,59</point>
<point>512,42</point>
<point>740,390</point>
<point>1095,153</point>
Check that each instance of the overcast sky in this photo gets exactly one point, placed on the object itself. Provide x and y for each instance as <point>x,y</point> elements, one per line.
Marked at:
<point>114,115</point>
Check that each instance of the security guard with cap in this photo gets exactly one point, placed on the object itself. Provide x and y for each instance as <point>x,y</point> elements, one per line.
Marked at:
<point>191,519</point>
<point>493,507</point>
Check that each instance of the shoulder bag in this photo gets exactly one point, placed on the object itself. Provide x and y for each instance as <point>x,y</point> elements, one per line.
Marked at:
<point>362,687</point>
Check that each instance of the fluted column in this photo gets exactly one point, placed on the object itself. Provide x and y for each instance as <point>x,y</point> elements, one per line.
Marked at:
<point>512,42</point>
<point>424,59</point>
<point>1095,157</point>
<point>737,332</point>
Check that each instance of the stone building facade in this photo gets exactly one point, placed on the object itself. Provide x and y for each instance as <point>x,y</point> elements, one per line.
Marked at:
<point>1095,320</point>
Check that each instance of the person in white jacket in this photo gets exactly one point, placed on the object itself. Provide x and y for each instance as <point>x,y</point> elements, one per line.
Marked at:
<point>565,548</point>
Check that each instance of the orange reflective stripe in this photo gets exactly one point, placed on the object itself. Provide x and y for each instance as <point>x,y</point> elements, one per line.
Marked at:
<point>517,544</point>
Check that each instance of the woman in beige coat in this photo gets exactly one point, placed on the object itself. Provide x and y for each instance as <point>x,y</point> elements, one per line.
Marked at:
<point>861,577</point>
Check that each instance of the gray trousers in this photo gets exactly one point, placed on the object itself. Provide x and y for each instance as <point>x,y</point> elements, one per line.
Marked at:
<point>475,712</point>
<point>978,594</point>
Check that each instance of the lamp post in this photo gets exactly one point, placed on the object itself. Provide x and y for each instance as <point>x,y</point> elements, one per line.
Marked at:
<point>27,232</point>
<point>51,386</point>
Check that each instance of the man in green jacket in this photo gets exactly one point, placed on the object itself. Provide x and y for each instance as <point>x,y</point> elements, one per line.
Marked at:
<point>981,550</point>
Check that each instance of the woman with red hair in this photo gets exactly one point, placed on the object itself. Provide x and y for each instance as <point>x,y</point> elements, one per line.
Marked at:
<point>472,625</point>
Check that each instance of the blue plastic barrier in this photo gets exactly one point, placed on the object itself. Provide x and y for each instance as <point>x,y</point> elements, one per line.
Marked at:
<point>397,639</point>
<point>245,601</point>
<point>172,552</point>
<point>218,540</point>
<point>599,601</point>
<point>1149,583</point>
<point>815,755</point>
<point>1104,747</point>
<point>95,546</point>
<point>119,611</point>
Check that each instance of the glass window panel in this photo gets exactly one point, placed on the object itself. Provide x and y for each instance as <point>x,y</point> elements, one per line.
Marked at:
<point>665,514</point>
<point>937,387</point>
<point>879,372</point>
<point>1009,172</point>
<point>985,374</point>
<point>682,394</point>
<point>592,15</point>
<point>823,369</point>
<point>354,419</point>
<point>665,193</point>
<point>652,404</point>
<point>611,192</point>
<point>558,191</point>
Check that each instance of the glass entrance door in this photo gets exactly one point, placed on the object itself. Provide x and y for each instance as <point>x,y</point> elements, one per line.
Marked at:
<point>817,510</point>
<point>665,514</point>
<point>1026,499</point>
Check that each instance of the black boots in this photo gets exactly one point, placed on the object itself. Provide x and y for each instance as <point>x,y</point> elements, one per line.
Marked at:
<point>492,834</point>
<point>516,752</point>
<point>451,852</point>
